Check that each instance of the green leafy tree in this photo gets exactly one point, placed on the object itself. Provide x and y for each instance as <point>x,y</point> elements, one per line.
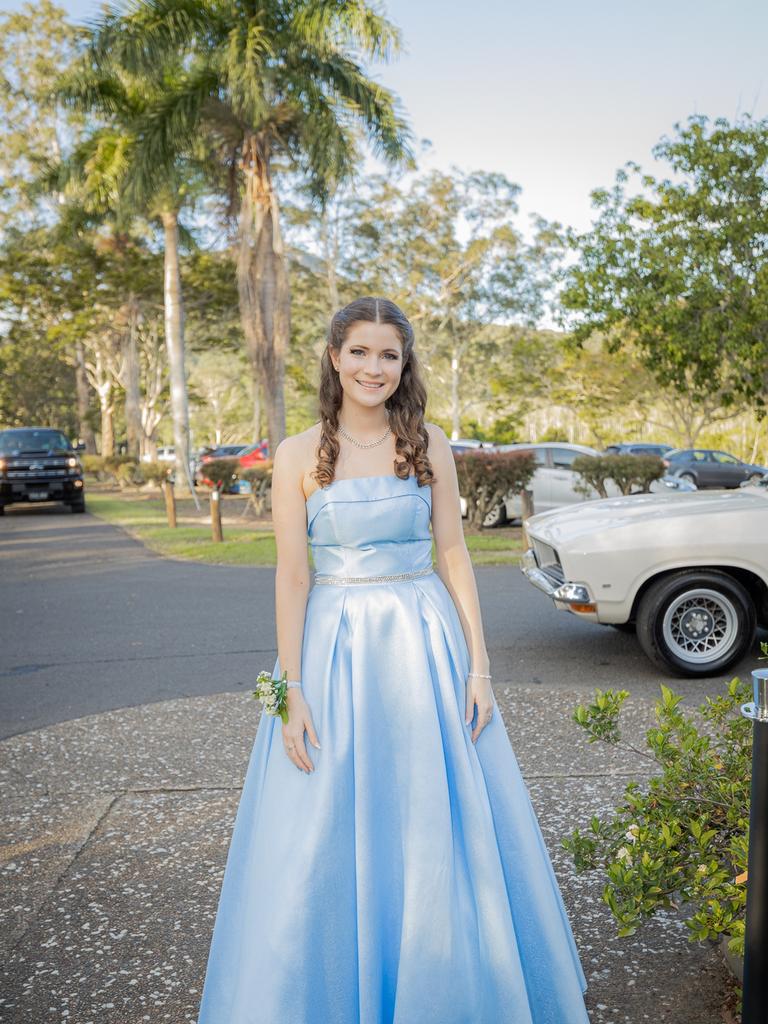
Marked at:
<point>36,43</point>
<point>445,246</point>
<point>106,175</point>
<point>271,88</point>
<point>679,267</point>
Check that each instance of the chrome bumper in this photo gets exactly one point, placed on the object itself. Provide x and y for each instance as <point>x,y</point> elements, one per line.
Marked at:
<point>563,594</point>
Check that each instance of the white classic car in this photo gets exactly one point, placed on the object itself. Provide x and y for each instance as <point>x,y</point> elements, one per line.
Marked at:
<point>688,572</point>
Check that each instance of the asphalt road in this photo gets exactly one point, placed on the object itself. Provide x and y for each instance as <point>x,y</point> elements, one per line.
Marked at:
<point>90,620</point>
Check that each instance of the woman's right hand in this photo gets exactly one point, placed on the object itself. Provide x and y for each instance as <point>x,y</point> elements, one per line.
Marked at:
<point>299,719</point>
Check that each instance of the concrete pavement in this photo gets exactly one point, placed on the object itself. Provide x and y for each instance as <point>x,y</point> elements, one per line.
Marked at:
<point>128,728</point>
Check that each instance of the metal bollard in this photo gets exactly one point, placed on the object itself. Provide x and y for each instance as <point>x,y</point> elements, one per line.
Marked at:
<point>755,992</point>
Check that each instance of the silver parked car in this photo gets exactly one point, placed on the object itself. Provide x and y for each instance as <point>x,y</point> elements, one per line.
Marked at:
<point>554,482</point>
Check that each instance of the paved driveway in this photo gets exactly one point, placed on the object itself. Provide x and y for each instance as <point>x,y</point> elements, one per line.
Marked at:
<point>117,825</point>
<point>93,621</point>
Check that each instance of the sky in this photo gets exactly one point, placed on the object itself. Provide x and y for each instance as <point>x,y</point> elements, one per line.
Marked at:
<point>558,95</point>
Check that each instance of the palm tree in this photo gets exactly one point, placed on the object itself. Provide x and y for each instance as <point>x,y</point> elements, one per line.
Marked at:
<point>264,83</point>
<point>105,168</point>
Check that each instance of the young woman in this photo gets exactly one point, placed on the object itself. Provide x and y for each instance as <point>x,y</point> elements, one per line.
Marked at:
<point>386,865</point>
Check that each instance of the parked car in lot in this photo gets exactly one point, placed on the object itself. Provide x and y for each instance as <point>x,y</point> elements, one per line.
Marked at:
<point>40,464</point>
<point>244,454</point>
<point>252,455</point>
<point>637,448</point>
<point>707,467</point>
<point>463,444</point>
<point>554,482</point>
<point>224,451</point>
<point>688,572</point>
<point>165,453</point>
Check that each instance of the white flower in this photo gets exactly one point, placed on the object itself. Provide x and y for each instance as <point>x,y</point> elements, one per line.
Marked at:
<point>631,833</point>
<point>702,869</point>
<point>624,854</point>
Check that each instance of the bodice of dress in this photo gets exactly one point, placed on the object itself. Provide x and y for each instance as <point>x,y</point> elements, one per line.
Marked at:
<point>370,526</point>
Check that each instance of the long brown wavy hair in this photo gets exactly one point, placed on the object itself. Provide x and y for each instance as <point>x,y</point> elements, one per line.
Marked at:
<point>405,406</point>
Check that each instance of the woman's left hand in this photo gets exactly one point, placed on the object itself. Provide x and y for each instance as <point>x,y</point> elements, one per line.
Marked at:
<point>480,692</point>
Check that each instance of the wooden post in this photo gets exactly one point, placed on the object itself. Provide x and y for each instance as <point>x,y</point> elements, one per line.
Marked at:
<point>170,502</point>
<point>216,531</point>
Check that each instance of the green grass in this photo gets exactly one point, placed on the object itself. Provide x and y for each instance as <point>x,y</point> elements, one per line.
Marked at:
<point>251,543</point>
<point>495,547</point>
<point>246,541</point>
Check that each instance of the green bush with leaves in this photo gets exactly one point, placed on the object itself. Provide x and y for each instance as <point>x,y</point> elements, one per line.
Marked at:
<point>123,470</point>
<point>156,471</point>
<point>630,473</point>
<point>684,839</point>
<point>259,476</point>
<point>486,477</point>
<point>221,474</point>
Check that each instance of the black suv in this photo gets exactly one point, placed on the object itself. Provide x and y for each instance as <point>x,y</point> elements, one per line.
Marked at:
<point>39,464</point>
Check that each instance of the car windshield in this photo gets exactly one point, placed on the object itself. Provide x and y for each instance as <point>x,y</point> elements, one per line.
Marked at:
<point>648,449</point>
<point>18,441</point>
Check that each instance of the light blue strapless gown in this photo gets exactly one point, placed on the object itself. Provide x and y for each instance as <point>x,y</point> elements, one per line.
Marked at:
<point>405,880</point>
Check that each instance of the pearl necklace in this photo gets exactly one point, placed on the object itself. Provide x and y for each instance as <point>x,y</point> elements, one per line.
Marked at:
<point>364,444</point>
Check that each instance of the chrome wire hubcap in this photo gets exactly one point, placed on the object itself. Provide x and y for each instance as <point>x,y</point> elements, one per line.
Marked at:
<point>700,625</point>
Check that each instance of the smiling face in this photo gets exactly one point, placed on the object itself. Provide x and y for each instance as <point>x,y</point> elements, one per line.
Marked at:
<point>369,362</point>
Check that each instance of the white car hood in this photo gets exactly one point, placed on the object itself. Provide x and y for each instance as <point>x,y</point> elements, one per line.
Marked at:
<point>565,524</point>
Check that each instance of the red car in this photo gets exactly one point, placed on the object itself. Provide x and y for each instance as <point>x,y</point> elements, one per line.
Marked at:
<point>256,453</point>
<point>246,455</point>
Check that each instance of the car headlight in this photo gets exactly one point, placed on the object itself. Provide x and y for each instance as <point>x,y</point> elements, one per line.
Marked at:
<point>575,592</point>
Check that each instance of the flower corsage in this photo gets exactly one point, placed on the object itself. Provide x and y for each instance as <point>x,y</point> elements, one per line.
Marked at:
<point>272,694</point>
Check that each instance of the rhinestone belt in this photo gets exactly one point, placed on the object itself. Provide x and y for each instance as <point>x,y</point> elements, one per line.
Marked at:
<point>393,578</point>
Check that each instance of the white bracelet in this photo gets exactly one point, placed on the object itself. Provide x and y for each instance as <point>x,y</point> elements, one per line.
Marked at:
<point>293,682</point>
<point>479,675</point>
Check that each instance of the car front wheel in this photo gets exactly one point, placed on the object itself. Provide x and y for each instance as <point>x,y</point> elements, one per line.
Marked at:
<point>696,623</point>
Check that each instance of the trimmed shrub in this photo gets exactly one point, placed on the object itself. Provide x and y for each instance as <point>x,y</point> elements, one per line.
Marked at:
<point>259,476</point>
<point>630,473</point>
<point>487,477</point>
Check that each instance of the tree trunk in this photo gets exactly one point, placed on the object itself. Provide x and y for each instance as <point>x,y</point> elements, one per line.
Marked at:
<point>174,340</point>
<point>455,411</point>
<point>84,429</point>
<point>132,390</point>
<point>262,283</point>
<point>107,427</point>
<point>256,414</point>
<point>330,243</point>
